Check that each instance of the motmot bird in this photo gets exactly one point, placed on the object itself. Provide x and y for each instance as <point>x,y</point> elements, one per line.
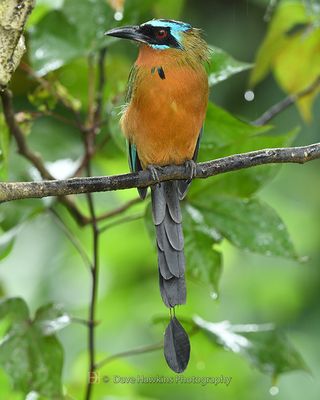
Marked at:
<point>162,120</point>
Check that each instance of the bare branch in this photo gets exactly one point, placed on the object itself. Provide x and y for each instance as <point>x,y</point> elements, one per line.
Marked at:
<point>285,103</point>
<point>119,210</point>
<point>123,220</point>
<point>72,237</point>
<point>145,349</point>
<point>25,190</point>
<point>140,350</point>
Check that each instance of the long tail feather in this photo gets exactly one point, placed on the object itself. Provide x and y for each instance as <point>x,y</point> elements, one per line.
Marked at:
<point>171,261</point>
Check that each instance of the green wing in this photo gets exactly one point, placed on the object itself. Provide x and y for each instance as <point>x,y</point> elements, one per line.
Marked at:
<point>133,158</point>
<point>131,84</point>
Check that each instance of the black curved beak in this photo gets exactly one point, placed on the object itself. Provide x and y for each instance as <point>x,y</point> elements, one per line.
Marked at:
<point>128,32</point>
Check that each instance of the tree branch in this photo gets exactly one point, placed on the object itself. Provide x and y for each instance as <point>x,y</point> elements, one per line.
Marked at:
<point>119,210</point>
<point>24,190</point>
<point>123,220</point>
<point>285,103</point>
<point>72,237</point>
<point>140,350</point>
<point>89,151</point>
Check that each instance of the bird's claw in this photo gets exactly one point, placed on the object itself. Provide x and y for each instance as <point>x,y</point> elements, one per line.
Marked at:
<point>191,168</point>
<point>153,169</point>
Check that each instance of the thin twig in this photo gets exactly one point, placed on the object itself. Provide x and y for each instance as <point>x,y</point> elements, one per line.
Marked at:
<point>24,190</point>
<point>84,322</point>
<point>101,85</point>
<point>285,103</point>
<point>89,141</point>
<point>119,210</point>
<point>140,350</point>
<point>95,109</point>
<point>143,350</point>
<point>72,237</point>
<point>94,292</point>
<point>120,221</point>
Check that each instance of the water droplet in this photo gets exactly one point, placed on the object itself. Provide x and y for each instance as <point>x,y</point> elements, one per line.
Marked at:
<point>118,16</point>
<point>274,390</point>
<point>39,53</point>
<point>214,295</point>
<point>249,95</point>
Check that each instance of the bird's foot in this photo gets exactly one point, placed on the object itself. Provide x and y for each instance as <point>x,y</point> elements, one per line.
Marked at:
<point>154,169</point>
<point>191,168</point>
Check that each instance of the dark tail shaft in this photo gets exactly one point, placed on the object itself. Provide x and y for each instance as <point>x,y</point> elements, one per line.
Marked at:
<point>171,261</point>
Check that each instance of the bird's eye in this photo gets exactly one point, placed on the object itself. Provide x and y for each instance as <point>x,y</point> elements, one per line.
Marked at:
<point>161,34</point>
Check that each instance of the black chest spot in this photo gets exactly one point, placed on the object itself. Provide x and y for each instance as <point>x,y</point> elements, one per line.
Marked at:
<point>160,71</point>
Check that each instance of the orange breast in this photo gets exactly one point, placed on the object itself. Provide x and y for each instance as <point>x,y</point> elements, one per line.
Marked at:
<point>165,115</point>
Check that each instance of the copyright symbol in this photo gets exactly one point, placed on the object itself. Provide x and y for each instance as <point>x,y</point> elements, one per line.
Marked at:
<point>106,379</point>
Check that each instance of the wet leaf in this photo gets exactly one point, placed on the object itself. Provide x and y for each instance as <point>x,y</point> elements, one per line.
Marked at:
<point>53,43</point>
<point>222,129</point>
<point>90,21</point>
<point>293,31</point>
<point>51,318</point>
<point>226,135</point>
<point>29,352</point>
<point>71,32</point>
<point>265,347</point>
<point>176,346</point>
<point>204,263</point>
<point>248,224</point>
<point>294,77</point>
<point>287,15</point>
<point>223,66</point>
<point>43,7</point>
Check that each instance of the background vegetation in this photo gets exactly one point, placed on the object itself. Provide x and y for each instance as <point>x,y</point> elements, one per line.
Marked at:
<point>252,237</point>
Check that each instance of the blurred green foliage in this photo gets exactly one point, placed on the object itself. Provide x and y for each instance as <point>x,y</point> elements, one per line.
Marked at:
<point>242,262</point>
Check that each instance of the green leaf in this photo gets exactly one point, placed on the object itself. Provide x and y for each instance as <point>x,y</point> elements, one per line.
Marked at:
<point>53,43</point>
<point>42,8</point>
<point>246,182</point>
<point>7,241</point>
<point>222,129</point>
<point>226,135</point>
<point>294,30</point>
<point>203,262</point>
<point>29,352</point>
<point>248,224</point>
<point>288,14</point>
<point>71,32</point>
<point>90,21</point>
<point>15,308</point>
<point>223,66</point>
<point>51,319</point>
<point>294,77</point>
<point>262,345</point>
